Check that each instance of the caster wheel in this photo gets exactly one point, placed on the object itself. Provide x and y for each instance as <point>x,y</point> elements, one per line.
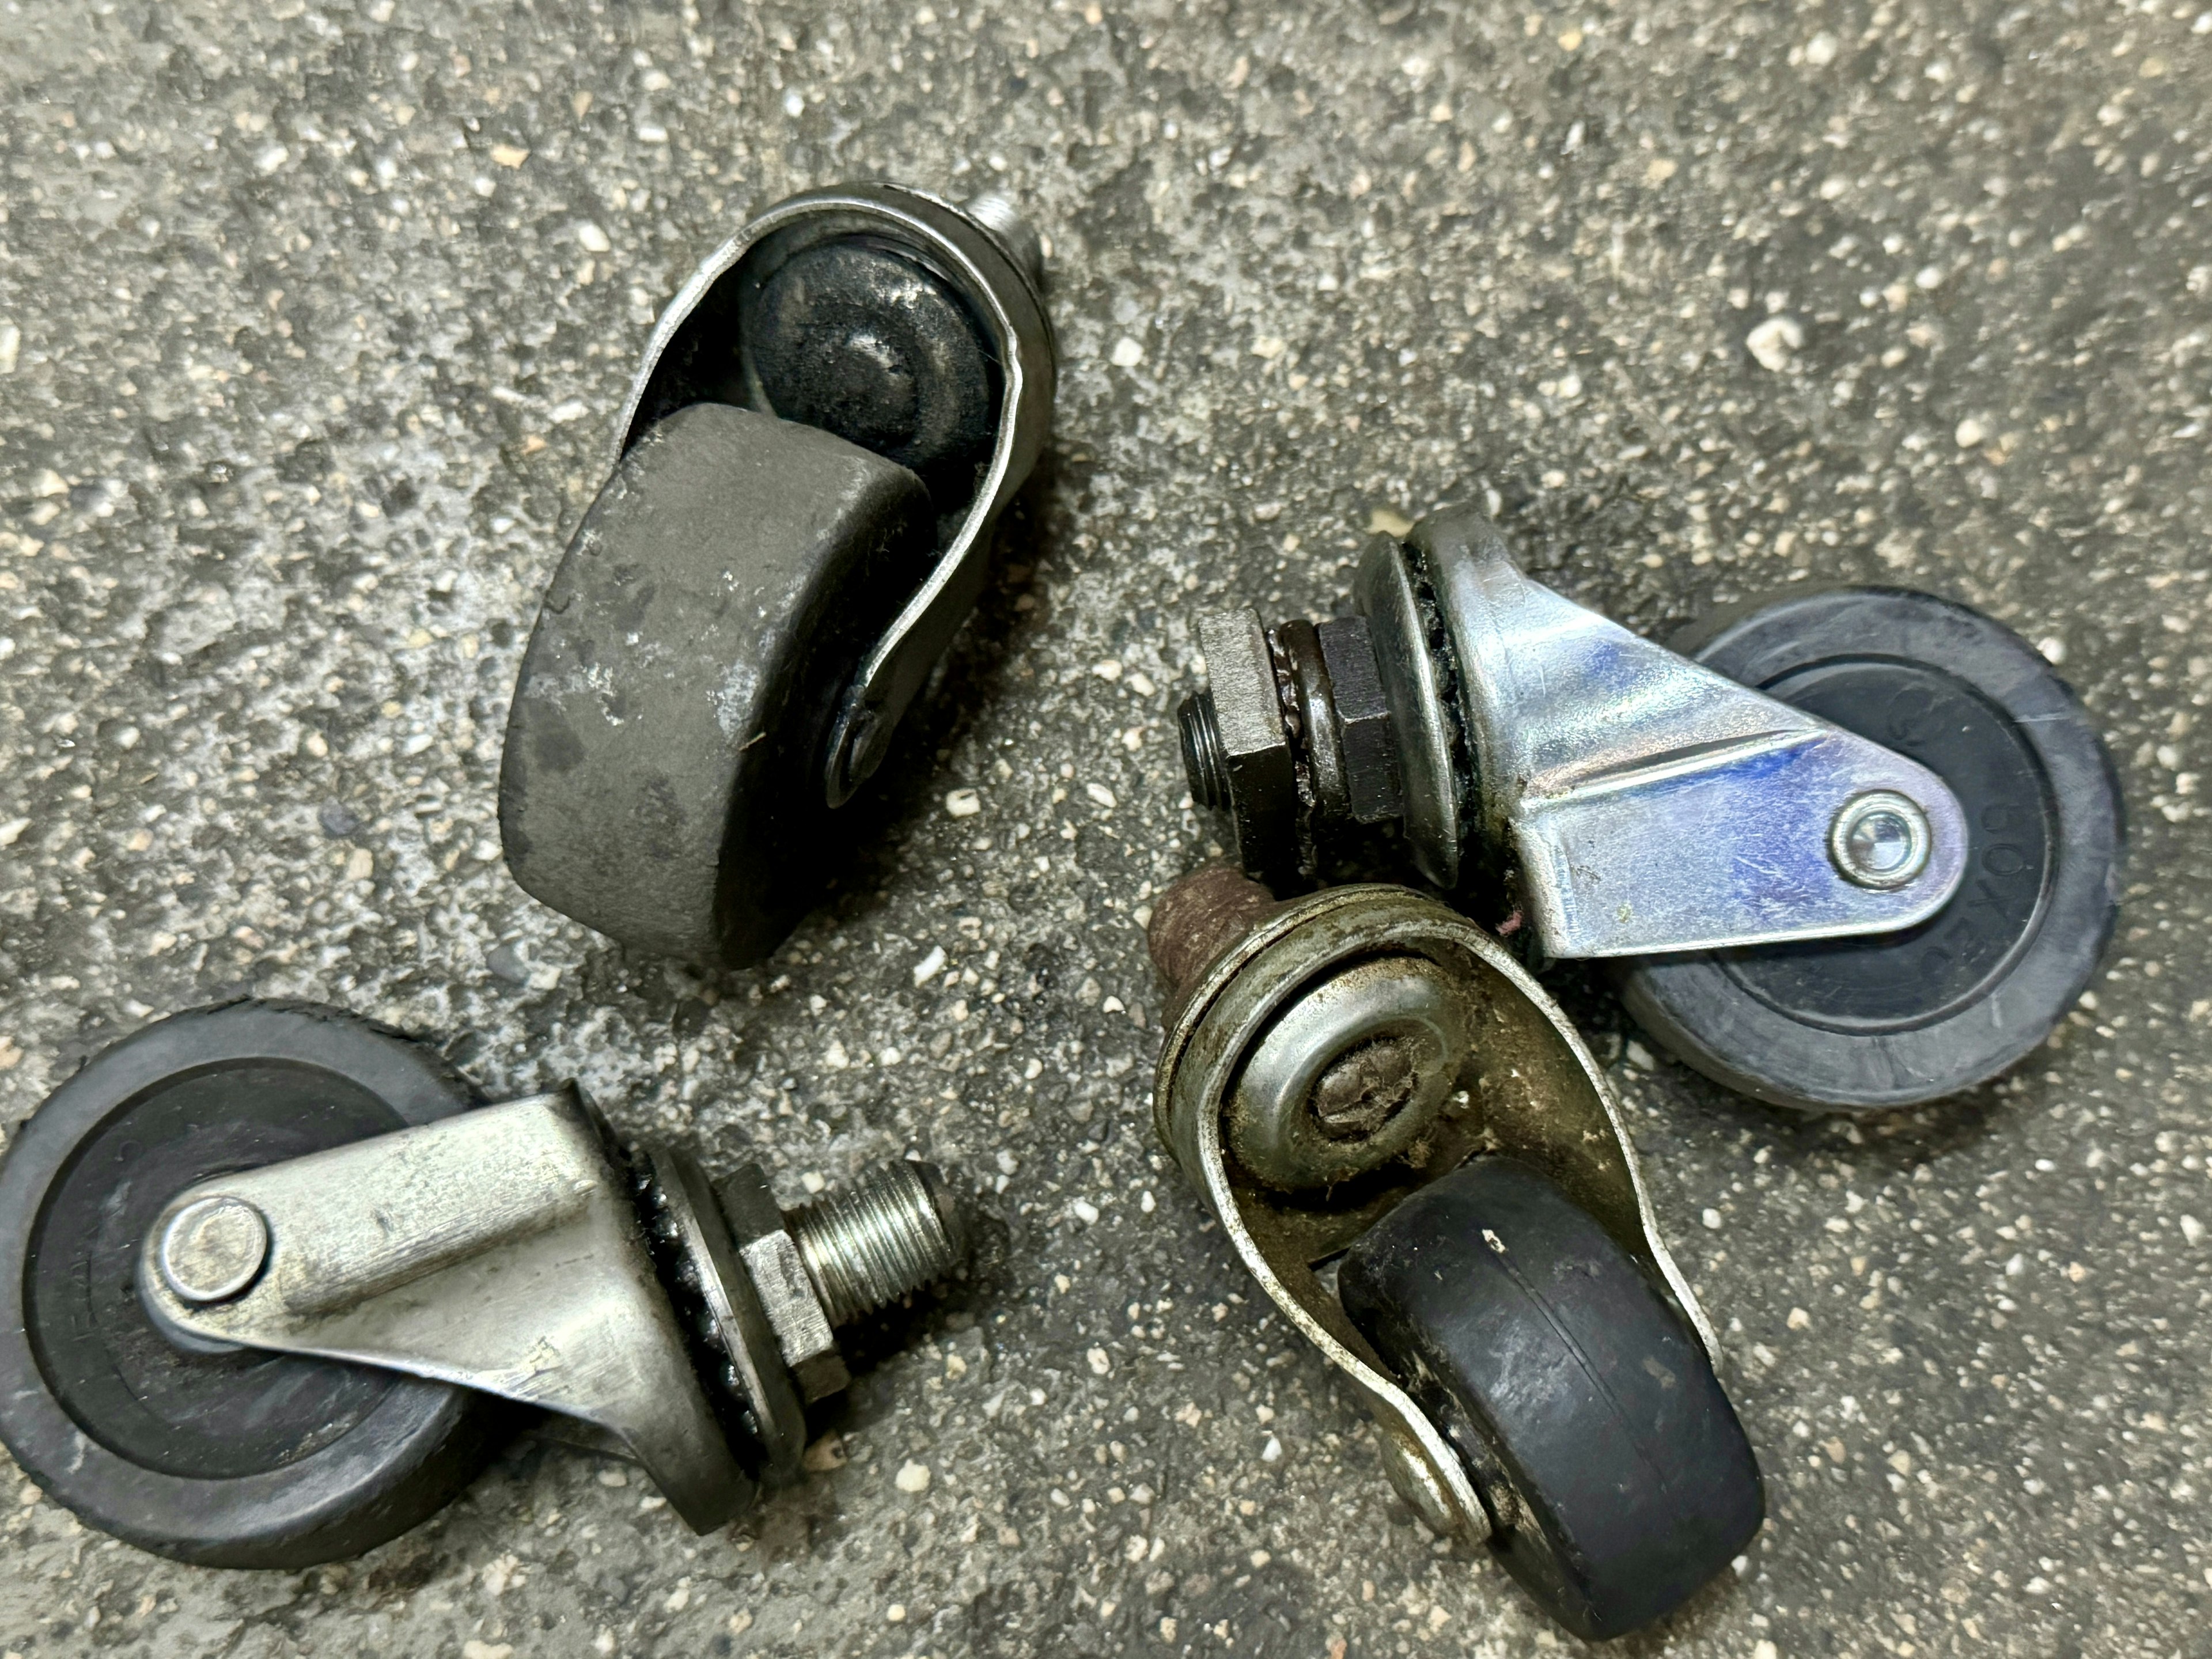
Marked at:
<point>661,779</point>
<point>1896,1019</point>
<point>828,420</point>
<point>1617,1477</point>
<point>235,1459</point>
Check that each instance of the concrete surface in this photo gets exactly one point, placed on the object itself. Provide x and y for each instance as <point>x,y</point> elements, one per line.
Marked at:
<point>312,321</point>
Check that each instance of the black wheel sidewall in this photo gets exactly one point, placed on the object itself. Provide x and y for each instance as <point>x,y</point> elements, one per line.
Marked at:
<point>1547,1341</point>
<point>1706,1019</point>
<point>413,1451</point>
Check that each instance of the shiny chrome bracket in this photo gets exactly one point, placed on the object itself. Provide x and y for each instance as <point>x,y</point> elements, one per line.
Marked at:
<point>1651,804</point>
<point>1645,803</point>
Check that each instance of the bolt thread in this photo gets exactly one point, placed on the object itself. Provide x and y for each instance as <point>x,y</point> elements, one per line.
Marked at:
<point>882,1237</point>
<point>1011,231</point>
<point>1204,763</point>
<point>1199,917</point>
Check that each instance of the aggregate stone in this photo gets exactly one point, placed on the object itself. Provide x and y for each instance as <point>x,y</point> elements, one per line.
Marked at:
<point>314,321</point>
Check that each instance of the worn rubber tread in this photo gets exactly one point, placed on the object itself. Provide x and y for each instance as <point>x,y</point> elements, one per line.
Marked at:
<point>1567,1382</point>
<point>399,1449</point>
<point>662,776</point>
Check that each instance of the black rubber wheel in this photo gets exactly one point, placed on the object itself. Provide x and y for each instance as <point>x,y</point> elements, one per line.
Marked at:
<point>663,775</point>
<point>1618,1478</point>
<point>235,1460</point>
<point>866,342</point>
<point>1896,1019</point>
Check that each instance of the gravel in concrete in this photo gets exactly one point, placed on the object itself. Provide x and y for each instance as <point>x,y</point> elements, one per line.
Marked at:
<point>314,319</point>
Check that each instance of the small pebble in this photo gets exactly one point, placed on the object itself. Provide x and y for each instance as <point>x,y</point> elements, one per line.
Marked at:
<point>1774,343</point>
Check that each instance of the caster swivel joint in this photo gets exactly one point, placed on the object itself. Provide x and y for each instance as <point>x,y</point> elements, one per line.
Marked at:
<point>1412,1153</point>
<point>1644,803</point>
<point>830,419</point>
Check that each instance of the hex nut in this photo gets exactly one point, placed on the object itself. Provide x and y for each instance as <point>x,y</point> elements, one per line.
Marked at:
<point>787,1294</point>
<point>1254,746</point>
<point>1364,734</point>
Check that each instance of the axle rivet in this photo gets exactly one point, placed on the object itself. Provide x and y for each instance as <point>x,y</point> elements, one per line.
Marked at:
<point>1879,839</point>
<point>1363,1088</point>
<point>213,1248</point>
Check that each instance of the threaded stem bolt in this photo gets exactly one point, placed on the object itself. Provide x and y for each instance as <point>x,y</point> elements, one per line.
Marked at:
<point>1204,764</point>
<point>999,216</point>
<point>882,1237</point>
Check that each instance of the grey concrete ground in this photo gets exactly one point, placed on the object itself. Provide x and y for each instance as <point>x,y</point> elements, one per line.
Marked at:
<point>312,322</point>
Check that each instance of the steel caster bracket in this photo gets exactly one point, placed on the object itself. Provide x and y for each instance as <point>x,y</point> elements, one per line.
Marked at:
<point>438,1252</point>
<point>1455,1052</point>
<point>1848,849</point>
<point>1645,803</point>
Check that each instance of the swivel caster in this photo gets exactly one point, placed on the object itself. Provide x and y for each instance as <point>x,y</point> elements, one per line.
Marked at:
<point>1856,849</point>
<point>829,419</point>
<point>272,1281</point>
<point>1413,1154</point>
<point>1895,1019</point>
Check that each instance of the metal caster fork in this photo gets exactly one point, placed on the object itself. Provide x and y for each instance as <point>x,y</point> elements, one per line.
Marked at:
<point>1411,1152</point>
<point>1851,849</point>
<point>830,420</point>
